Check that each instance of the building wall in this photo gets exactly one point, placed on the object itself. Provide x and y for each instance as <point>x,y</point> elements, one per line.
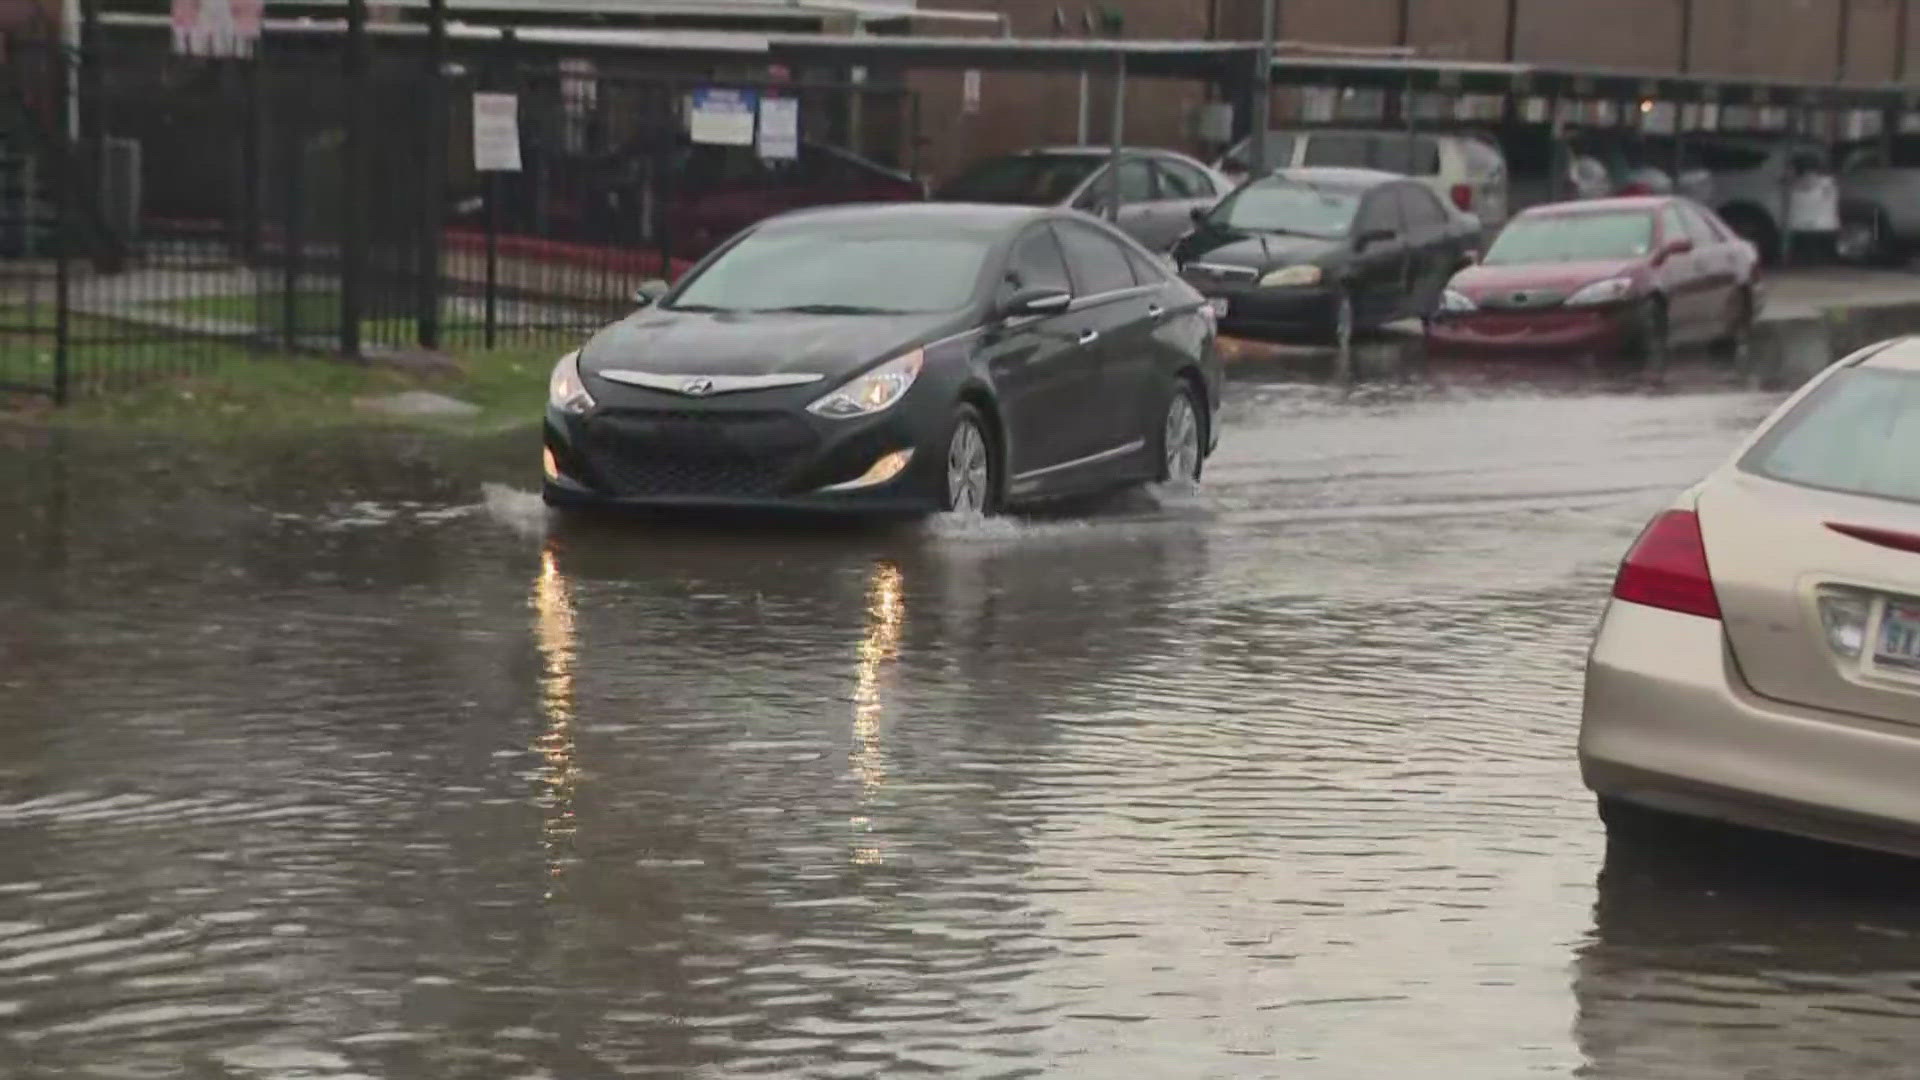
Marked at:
<point>1781,39</point>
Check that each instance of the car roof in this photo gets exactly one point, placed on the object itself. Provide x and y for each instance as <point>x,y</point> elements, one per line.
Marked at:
<point>1337,176</point>
<point>1901,354</point>
<point>1648,203</point>
<point>1091,150</point>
<point>974,215</point>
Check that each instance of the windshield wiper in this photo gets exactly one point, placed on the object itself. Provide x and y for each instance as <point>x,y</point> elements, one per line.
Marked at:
<point>832,309</point>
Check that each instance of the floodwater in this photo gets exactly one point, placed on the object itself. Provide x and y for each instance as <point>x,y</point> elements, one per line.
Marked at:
<point>344,760</point>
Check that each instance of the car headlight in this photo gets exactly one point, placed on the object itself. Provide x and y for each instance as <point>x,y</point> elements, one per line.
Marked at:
<point>1457,302</point>
<point>565,391</point>
<point>1601,292</point>
<point>870,393</point>
<point>1291,275</point>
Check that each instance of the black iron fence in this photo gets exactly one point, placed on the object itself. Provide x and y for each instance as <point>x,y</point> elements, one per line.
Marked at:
<point>161,213</point>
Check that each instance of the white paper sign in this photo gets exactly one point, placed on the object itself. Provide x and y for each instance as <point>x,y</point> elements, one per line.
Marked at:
<point>722,117</point>
<point>496,133</point>
<point>779,128</point>
<point>969,91</point>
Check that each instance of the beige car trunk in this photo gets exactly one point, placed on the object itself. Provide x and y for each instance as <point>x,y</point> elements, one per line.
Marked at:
<point>1770,551</point>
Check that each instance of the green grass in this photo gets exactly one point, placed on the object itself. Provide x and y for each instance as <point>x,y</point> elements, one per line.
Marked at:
<point>227,387</point>
<point>315,313</point>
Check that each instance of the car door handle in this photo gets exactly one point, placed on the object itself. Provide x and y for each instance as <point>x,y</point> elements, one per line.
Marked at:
<point>1155,311</point>
<point>1088,337</point>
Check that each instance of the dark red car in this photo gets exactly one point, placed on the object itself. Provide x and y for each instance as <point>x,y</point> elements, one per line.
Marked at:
<point>1624,278</point>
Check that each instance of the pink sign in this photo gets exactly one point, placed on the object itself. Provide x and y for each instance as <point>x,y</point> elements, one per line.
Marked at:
<point>216,27</point>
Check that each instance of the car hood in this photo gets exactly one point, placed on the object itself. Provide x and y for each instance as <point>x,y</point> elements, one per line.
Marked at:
<point>1477,281</point>
<point>738,343</point>
<point>1260,252</point>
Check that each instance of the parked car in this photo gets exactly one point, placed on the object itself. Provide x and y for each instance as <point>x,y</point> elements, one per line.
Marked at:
<point>1759,662</point>
<point>1880,201</point>
<point>1623,277</point>
<point>1159,189</point>
<point>1463,170</point>
<point>1769,189</point>
<point>905,358</point>
<point>1305,254</point>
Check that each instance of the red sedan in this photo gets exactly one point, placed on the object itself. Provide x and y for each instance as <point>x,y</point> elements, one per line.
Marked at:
<point>1624,278</point>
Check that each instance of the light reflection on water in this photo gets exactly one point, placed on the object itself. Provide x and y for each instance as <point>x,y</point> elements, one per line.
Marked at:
<point>559,773</point>
<point>886,611</point>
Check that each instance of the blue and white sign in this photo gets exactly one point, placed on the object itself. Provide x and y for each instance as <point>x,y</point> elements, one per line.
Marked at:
<point>722,117</point>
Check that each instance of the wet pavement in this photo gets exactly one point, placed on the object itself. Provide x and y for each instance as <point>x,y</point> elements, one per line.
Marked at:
<point>343,760</point>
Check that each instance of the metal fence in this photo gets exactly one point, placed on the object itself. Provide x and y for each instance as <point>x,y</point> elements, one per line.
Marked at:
<point>162,214</point>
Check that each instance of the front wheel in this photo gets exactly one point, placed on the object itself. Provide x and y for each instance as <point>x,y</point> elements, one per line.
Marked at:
<point>1182,437</point>
<point>970,466</point>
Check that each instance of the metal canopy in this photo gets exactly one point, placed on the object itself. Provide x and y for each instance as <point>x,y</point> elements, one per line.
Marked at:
<point>1225,62</point>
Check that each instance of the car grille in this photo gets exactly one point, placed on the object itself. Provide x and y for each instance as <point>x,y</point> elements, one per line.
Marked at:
<point>671,452</point>
<point>1522,299</point>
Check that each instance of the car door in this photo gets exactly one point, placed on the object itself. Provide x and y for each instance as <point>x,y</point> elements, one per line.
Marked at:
<point>1184,189</point>
<point>1379,277</point>
<point>1119,311</point>
<point>1679,273</point>
<point>1717,262</point>
<point>1433,252</point>
<point>1137,197</point>
<point>1043,373</point>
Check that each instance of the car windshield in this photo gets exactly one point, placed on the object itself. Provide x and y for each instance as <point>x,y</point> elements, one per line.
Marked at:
<point>1278,204</point>
<point>1573,238</point>
<point>1859,433</point>
<point>843,270</point>
<point>1026,180</point>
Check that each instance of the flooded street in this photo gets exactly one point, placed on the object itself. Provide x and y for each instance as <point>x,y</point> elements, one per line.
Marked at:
<point>343,760</point>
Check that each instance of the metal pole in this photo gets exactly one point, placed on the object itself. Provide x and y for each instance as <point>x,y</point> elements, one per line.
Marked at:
<point>1513,31</point>
<point>433,190</point>
<point>62,241</point>
<point>1843,39</point>
<point>1118,133</point>
<point>1081,134</point>
<point>1903,20</point>
<point>492,329</point>
<point>1263,89</point>
<point>353,239</point>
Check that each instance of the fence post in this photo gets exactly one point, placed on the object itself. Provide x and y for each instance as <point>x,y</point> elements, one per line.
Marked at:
<point>434,191</point>
<point>353,240</point>
<point>62,242</point>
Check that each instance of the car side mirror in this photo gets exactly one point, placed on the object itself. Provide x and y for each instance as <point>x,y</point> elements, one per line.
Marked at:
<point>1036,301</point>
<point>649,291</point>
<point>1199,214</point>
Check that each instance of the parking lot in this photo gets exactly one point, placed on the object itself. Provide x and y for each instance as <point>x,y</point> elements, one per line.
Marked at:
<point>342,759</point>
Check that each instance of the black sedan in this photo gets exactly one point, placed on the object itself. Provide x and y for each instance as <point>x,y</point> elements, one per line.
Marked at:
<point>1319,253</point>
<point>908,358</point>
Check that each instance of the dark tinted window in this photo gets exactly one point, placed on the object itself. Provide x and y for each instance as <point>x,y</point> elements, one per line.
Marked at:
<point>1858,433</point>
<point>1145,270</point>
<point>1415,156</point>
<point>1671,226</point>
<point>1421,211</point>
<point>1098,263</point>
<point>1698,227</point>
<point>1035,180</point>
<point>1379,210</point>
<point>1279,151</point>
<point>1723,157</point>
<point>1179,180</point>
<point>1339,148</point>
<point>1036,263</point>
<point>1136,181</point>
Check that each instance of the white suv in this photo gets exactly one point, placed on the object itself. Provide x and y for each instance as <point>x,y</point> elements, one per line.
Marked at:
<point>1466,172</point>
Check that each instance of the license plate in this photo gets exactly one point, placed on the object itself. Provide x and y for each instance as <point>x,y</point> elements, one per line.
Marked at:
<point>1899,642</point>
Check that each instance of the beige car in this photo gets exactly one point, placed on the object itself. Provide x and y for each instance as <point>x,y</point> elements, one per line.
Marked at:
<point>1760,661</point>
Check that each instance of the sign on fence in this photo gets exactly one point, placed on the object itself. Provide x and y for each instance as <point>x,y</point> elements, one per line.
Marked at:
<point>779,128</point>
<point>722,117</point>
<point>216,27</point>
<point>496,133</point>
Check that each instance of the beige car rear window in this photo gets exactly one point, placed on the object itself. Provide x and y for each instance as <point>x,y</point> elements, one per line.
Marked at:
<point>1859,433</point>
